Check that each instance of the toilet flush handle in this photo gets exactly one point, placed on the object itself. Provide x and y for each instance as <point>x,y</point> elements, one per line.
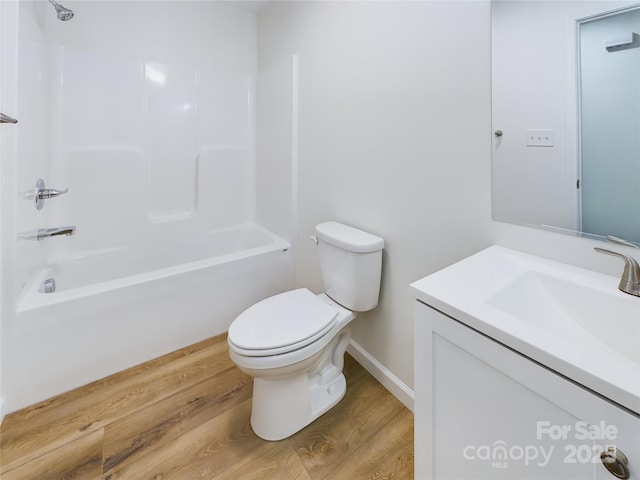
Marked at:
<point>314,238</point>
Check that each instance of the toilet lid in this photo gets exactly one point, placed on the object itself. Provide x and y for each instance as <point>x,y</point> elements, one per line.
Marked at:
<point>292,319</point>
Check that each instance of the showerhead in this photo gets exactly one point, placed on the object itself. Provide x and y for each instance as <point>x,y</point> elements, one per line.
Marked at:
<point>64,14</point>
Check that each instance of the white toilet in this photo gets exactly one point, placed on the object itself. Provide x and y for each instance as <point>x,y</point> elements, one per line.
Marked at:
<point>293,343</point>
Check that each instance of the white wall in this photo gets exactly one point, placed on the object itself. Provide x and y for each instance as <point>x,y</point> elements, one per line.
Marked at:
<point>394,121</point>
<point>276,139</point>
<point>8,167</point>
<point>395,138</point>
<point>34,104</point>
<point>528,75</point>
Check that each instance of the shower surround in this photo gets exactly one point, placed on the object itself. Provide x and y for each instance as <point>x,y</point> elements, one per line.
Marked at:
<point>146,112</point>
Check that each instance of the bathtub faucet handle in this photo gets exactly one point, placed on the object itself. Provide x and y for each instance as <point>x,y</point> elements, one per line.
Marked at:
<point>40,193</point>
<point>52,193</point>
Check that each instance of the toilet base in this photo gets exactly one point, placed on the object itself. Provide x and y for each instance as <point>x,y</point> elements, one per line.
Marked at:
<point>283,406</point>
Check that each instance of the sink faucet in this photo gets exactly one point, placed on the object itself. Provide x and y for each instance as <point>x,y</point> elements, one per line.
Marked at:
<point>53,232</point>
<point>630,281</point>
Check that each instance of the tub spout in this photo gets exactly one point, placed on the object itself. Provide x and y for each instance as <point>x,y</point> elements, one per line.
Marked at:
<point>54,232</point>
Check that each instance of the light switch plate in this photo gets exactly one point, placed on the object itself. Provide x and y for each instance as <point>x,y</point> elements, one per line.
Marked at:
<point>539,138</point>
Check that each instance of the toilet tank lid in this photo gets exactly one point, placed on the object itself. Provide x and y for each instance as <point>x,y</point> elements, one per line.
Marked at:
<point>349,238</point>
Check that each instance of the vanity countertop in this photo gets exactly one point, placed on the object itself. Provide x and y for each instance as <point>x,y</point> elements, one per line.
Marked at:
<point>572,320</point>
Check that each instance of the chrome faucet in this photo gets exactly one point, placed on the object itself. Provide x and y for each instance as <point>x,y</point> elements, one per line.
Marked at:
<point>630,280</point>
<point>54,232</point>
<point>39,193</point>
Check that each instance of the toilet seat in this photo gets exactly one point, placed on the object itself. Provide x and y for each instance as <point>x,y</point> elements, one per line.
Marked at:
<point>281,324</point>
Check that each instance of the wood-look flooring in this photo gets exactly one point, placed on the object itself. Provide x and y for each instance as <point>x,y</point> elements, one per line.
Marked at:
<point>186,416</point>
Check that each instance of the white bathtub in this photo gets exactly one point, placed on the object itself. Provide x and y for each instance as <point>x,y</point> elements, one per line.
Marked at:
<point>118,307</point>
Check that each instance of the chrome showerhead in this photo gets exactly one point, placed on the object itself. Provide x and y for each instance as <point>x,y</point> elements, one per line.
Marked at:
<point>64,14</point>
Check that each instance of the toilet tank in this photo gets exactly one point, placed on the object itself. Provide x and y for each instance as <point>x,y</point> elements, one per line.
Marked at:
<point>351,265</point>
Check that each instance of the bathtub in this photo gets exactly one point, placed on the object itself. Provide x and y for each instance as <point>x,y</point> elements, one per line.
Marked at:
<point>118,307</point>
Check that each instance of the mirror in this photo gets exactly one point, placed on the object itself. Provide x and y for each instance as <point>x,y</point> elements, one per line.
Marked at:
<point>566,116</point>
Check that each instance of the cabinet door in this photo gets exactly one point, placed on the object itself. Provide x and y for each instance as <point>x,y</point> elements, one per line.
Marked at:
<point>483,411</point>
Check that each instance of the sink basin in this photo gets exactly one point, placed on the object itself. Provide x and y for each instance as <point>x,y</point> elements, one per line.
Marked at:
<point>589,315</point>
<point>572,320</point>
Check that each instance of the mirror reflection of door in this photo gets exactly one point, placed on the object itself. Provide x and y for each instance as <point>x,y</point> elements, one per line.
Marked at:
<point>609,50</point>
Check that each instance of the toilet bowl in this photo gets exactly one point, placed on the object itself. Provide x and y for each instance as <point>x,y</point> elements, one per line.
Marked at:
<point>293,343</point>
<point>296,383</point>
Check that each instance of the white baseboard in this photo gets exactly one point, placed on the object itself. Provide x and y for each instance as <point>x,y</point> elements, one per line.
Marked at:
<point>1,410</point>
<point>382,374</point>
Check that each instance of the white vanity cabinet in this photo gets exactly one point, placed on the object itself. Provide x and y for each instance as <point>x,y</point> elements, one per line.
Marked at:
<point>484,411</point>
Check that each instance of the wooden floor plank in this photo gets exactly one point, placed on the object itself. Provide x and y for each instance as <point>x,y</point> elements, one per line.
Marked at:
<point>32,432</point>
<point>388,455</point>
<point>187,416</point>
<point>352,370</point>
<point>147,430</point>
<point>272,461</point>
<point>77,460</point>
<point>200,453</point>
<point>332,439</point>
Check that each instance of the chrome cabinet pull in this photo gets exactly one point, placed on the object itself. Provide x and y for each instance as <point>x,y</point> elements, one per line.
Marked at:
<point>616,462</point>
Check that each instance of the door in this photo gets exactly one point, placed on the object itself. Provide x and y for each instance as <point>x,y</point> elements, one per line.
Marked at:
<point>610,124</point>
